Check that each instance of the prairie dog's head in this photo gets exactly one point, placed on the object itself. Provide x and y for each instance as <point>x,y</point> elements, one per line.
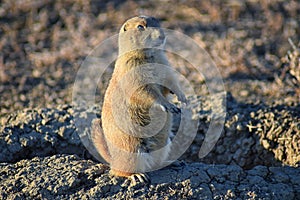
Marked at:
<point>139,33</point>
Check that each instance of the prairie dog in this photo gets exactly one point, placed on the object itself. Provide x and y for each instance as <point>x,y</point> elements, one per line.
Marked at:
<point>136,97</point>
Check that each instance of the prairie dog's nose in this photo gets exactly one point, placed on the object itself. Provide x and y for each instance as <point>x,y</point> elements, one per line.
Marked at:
<point>162,35</point>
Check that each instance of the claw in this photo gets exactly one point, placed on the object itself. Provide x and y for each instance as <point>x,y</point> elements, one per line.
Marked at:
<point>175,110</point>
<point>172,109</point>
<point>163,108</point>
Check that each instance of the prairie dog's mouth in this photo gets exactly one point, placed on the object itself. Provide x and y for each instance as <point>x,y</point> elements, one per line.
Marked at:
<point>159,42</point>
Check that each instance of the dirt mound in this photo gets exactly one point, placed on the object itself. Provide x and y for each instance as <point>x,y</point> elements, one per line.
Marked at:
<point>254,134</point>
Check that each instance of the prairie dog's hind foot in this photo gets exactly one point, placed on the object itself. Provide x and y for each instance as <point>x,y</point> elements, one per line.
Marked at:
<point>131,179</point>
<point>139,178</point>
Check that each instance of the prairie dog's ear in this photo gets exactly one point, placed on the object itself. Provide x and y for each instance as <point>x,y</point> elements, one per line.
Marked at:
<point>125,27</point>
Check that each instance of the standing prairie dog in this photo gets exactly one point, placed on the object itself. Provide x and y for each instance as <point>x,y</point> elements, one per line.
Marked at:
<point>136,97</point>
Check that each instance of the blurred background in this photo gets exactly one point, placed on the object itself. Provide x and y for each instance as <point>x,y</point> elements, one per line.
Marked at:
<point>255,45</point>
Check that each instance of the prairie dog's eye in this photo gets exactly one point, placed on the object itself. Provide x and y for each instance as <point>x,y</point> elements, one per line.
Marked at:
<point>140,27</point>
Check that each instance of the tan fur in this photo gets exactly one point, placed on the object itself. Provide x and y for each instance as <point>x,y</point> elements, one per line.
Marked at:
<point>128,100</point>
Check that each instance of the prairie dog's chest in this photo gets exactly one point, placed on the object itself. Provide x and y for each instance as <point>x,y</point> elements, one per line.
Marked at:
<point>135,72</point>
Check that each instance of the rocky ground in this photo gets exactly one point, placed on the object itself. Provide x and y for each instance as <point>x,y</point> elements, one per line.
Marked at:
<point>38,145</point>
<point>255,47</point>
<point>68,176</point>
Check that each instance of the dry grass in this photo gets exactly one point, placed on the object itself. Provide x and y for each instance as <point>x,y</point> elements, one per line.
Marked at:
<point>42,43</point>
<point>290,73</point>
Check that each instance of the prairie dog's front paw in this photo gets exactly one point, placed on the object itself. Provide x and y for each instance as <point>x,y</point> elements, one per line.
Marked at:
<point>167,107</point>
<point>181,97</point>
<point>171,108</point>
